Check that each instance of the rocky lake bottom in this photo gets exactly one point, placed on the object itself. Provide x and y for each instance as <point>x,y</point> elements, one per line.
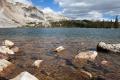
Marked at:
<point>61,66</point>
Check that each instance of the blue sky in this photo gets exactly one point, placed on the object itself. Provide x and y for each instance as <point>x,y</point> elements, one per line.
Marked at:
<point>47,3</point>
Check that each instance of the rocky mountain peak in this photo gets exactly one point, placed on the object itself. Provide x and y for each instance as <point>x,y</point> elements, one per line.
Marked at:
<point>13,13</point>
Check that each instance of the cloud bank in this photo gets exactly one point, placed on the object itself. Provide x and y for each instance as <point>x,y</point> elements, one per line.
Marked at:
<point>90,9</point>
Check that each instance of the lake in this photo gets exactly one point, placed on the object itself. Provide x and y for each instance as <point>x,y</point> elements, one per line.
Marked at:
<point>83,33</point>
<point>39,43</point>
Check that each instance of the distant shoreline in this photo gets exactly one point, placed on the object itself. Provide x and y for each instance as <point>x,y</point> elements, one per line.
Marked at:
<point>75,24</point>
<point>65,24</point>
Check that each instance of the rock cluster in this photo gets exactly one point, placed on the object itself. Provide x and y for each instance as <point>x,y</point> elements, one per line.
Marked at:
<point>5,50</point>
<point>8,47</point>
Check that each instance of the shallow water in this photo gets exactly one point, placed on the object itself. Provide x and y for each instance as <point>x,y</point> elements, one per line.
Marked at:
<point>40,43</point>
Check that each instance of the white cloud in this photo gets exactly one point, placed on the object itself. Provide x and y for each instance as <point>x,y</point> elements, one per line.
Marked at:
<point>79,4</point>
<point>94,15</point>
<point>29,2</point>
<point>90,9</point>
<point>49,10</point>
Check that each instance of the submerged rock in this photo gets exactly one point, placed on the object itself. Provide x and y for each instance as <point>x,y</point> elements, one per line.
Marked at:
<point>8,43</point>
<point>15,49</point>
<point>25,76</point>
<point>102,46</point>
<point>87,74</point>
<point>83,57</point>
<point>59,49</point>
<point>37,63</point>
<point>104,62</point>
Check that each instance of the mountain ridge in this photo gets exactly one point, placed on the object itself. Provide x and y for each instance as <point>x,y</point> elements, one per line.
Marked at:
<point>14,14</point>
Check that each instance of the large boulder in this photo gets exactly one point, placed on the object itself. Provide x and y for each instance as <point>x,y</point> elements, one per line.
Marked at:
<point>25,76</point>
<point>83,57</point>
<point>8,43</point>
<point>104,47</point>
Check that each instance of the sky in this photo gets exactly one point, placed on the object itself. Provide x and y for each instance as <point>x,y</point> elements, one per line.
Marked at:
<point>80,9</point>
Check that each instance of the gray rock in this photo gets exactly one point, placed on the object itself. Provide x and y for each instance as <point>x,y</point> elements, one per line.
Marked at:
<point>104,47</point>
<point>83,57</point>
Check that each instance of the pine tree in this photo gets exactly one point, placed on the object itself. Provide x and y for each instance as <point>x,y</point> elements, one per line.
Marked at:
<point>116,23</point>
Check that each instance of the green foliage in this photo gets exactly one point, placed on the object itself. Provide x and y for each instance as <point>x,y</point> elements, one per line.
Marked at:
<point>116,24</point>
<point>84,24</point>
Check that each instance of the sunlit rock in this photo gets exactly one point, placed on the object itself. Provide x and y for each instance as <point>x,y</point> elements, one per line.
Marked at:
<point>15,49</point>
<point>83,57</point>
<point>102,46</point>
<point>25,76</point>
<point>89,55</point>
<point>4,64</point>
<point>8,43</point>
<point>5,67</point>
<point>37,63</point>
<point>5,50</point>
<point>59,49</point>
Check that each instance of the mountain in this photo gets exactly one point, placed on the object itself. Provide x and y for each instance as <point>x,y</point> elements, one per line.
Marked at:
<point>13,14</point>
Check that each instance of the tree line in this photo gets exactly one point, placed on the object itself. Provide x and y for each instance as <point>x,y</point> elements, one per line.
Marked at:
<point>88,23</point>
<point>79,24</point>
